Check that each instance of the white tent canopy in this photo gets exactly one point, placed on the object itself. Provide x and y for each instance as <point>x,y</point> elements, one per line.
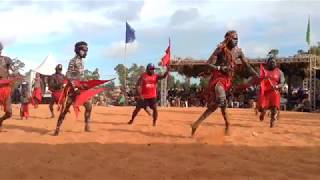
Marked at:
<point>47,67</point>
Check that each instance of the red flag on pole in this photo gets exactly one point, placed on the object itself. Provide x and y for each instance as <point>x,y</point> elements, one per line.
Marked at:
<point>166,58</point>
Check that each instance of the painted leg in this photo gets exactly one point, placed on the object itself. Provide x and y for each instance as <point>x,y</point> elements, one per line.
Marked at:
<point>62,116</point>
<point>204,115</point>
<point>226,119</point>
<point>87,115</point>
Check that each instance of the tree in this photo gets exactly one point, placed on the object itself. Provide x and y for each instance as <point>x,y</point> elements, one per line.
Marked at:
<point>134,73</point>
<point>187,83</point>
<point>273,53</point>
<point>170,82</point>
<point>96,74</point>
<point>90,75</point>
<point>122,72</point>
<point>177,84</point>
<point>300,51</point>
<point>17,65</point>
<point>315,50</point>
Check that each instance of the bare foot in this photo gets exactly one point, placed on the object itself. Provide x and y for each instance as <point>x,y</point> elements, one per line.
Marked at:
<point>193,130</point>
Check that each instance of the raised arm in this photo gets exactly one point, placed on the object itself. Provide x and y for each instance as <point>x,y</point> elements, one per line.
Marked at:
<point>162,76</point>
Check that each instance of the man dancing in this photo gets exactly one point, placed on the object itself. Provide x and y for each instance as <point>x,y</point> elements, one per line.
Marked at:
<point>37,92</point>
<point>272,80</point>
<point>56,84</point>
<point>24,99</point>
<point>147,92</point>
<point>76,72</point>
<point>223,64</point>
<point>5,86</point>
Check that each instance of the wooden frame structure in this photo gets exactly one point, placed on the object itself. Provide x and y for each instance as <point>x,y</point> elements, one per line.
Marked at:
<point>307,63</point>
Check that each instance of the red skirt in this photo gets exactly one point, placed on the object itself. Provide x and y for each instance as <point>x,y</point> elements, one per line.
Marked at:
<point>37,94</point>
<point>5,94</point>
<point>270,99</point>
<point>216,78</point>
<point>56,95</point>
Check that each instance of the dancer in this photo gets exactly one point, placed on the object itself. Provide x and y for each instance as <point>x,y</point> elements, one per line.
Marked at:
<point>76,72</point>
<point>5,87</point>
<point>147,92</point>
<point>37,92</point>
<point>223,64</point>
<point>272,80</point>
<point>77,91</point>
<point>56,84</point>
<point>24,99</point>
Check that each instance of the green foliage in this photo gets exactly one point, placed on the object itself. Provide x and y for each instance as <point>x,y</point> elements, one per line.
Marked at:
<point>122,72</point>
<point>134,73</point>
<point>90,75</point>
<point>273,53</point>
<point>315,49</point>
<point>17,65</point>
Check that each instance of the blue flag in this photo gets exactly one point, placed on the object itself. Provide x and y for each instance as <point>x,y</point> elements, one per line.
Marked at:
<point>130,36</point>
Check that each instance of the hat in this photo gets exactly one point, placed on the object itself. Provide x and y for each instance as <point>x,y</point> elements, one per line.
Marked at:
<point>150,66</point>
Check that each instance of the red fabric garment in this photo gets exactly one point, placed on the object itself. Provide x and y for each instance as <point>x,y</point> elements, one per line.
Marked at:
<point>37,94</point>
<point>25,110</point>
<point>149,86</point>
<point>4,82</point>
<point>56,95</point>
<point>166,58</point>
<point>83,97</point>
<point>218,77</point>
<point>268,96</point>
<point>5,94</point>
<point>89,84</point>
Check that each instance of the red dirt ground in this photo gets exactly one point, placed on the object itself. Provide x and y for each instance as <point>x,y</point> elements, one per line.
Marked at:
<point>115,150</point>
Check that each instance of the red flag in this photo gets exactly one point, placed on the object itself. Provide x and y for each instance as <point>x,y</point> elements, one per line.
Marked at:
<point>83,97</point>
<point>166,58</point>
<point>4,82</point>
<point>91,83</point>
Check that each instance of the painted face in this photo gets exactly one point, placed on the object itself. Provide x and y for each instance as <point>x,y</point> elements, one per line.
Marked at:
<point>233,40</point>
<point>83,52</point>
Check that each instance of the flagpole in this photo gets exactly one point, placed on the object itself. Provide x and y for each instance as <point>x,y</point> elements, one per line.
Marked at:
<point>308,39</point>
<point>125,72</point>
